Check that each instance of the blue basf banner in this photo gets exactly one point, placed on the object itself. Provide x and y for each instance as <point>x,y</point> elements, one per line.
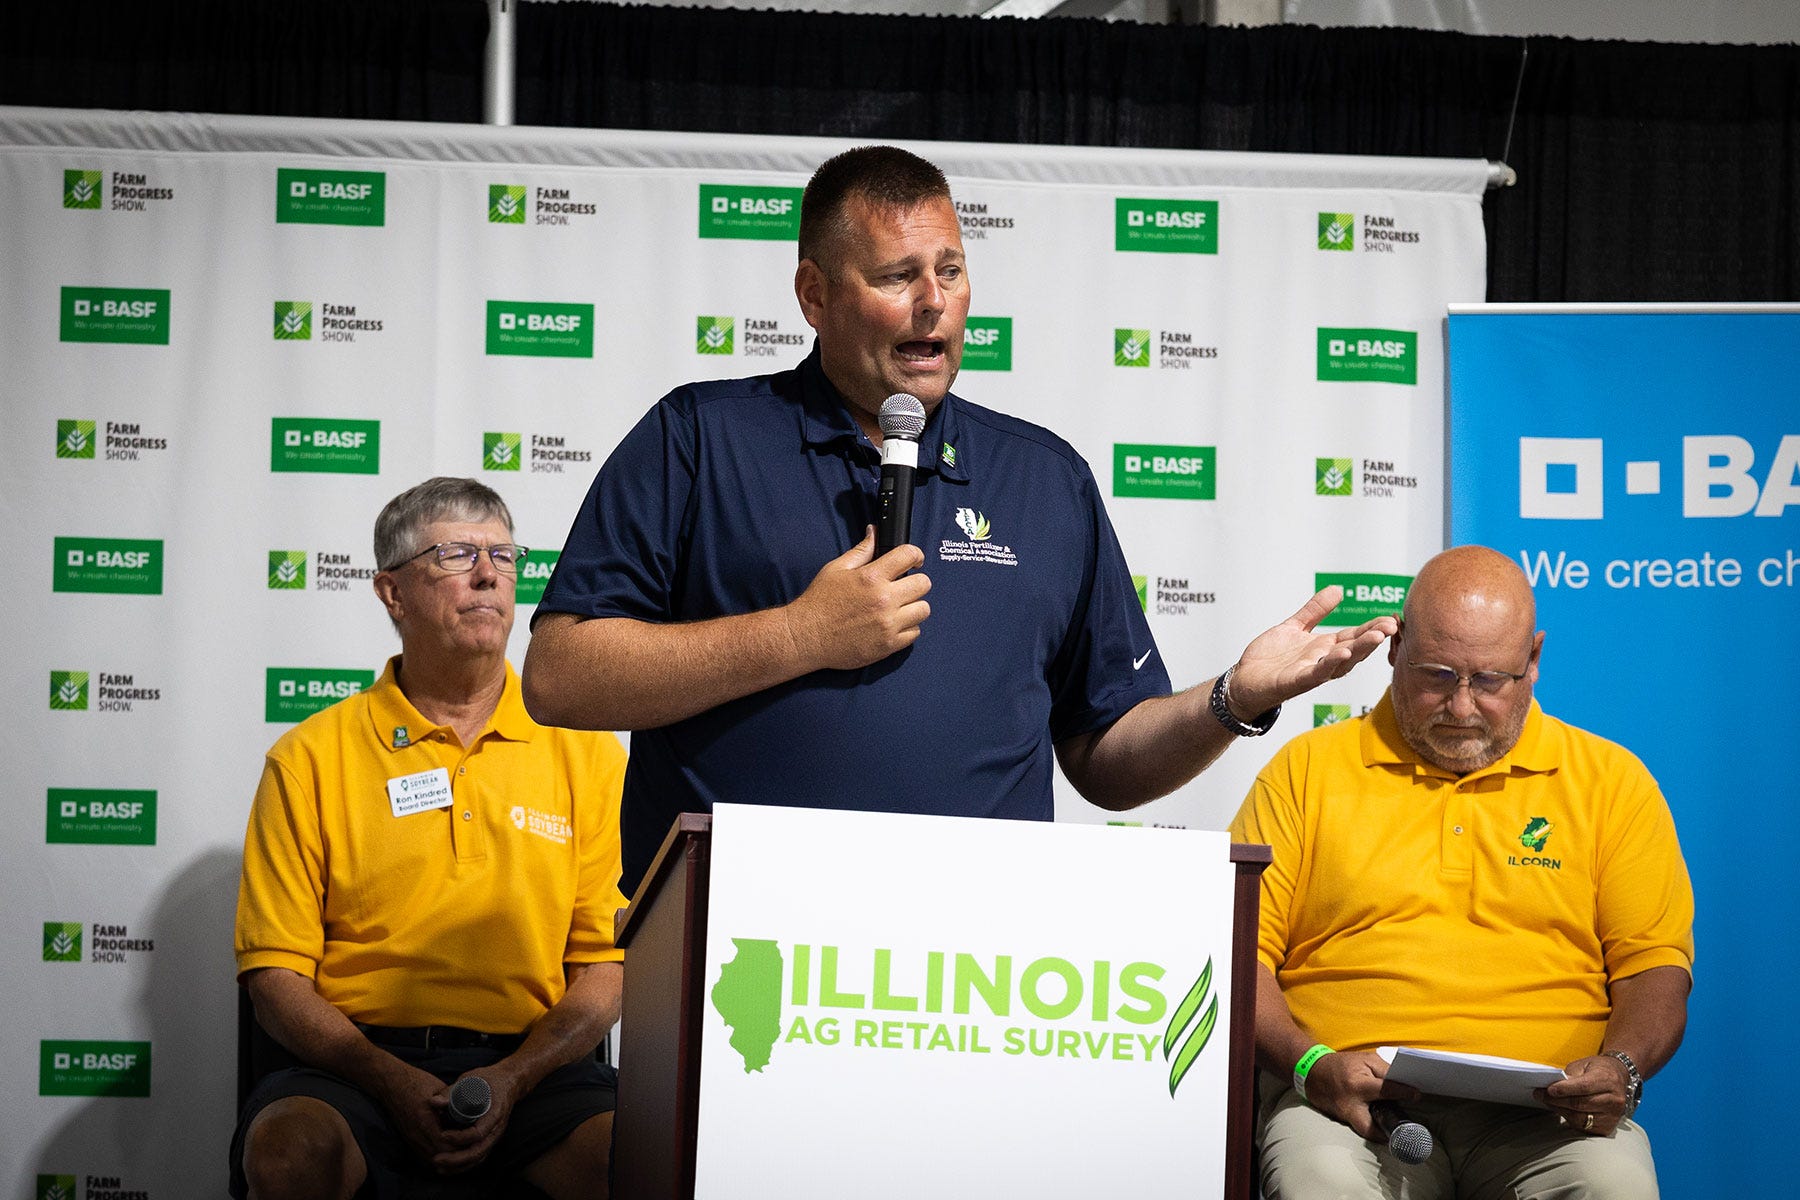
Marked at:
<point>1643,466</point>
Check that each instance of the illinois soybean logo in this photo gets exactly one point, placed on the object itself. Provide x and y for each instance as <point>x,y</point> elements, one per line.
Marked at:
<point>1371,355</point>
<point>758,213</point>
<point>1166,226</point>
<point>309,197</point>
<point>113,565</point>
<point>322,444</point>
<point>833,999</point>
<point>93,1068</point>
<point>295,693</point>
<point>540,329</point>
<point>1165,472</point>
<point>1365,596</point>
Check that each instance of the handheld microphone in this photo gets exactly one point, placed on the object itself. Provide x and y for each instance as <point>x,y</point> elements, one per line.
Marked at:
<point>1410,1141</point>
<point>470,1098</point>
<point>902,420</point>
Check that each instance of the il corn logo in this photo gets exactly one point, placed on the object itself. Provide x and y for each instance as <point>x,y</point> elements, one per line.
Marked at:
<point>1537,832</point>
<point>500,451</point>
<point>82,189</point>
<point>775,1000</point>
<point>506,204</point>
<point>293,320</point>
<point>714,335</point>
<point>1337,231</point>
<point>75,439</point>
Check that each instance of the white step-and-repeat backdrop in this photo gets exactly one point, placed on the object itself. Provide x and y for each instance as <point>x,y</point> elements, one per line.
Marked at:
<point>228,341</point>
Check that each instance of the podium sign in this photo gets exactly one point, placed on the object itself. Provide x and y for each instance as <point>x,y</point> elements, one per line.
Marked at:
<point>903,1006</point>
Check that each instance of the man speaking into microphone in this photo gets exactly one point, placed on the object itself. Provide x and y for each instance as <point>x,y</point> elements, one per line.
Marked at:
<point>721,596</point>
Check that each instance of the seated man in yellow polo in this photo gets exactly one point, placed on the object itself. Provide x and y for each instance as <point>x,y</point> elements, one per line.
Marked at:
<point>429,885</point>
<point>1458,870</point>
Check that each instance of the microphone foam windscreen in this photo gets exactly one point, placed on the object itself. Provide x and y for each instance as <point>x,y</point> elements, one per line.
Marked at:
<point>902,416</point>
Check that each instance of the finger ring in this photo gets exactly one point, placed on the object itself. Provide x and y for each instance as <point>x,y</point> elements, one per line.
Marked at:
<point>1588,1125</point>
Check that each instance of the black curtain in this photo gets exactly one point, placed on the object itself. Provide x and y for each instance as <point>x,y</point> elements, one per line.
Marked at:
<point>1646,172</point>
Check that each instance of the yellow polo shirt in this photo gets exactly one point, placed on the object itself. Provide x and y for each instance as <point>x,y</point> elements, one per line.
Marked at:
<point>1486,913</point>
<point>458,915</point>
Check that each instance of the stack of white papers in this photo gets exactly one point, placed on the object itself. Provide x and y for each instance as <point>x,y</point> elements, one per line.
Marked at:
<point>1470,1076</point>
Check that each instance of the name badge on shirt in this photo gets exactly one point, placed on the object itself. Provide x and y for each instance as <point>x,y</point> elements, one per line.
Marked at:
<point>410,794</point>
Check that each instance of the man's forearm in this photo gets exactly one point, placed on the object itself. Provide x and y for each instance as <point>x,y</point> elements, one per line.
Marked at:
<point>617,673</point>
<point>573,1026</point>
<point>1157,746</point>
<point>1649,1017</point>
<point>291,1011</point>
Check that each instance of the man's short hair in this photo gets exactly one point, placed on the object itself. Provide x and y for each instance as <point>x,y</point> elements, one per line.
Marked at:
<point>400,529</point>
<point>885,177</point>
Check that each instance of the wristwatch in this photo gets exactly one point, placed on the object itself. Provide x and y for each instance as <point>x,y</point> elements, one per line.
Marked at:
<point>1634,1086</point>
<point>1220,709</point>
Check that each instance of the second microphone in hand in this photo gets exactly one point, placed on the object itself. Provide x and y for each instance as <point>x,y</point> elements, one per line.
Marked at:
<point>902,420</point>
<point>1410,1141</point>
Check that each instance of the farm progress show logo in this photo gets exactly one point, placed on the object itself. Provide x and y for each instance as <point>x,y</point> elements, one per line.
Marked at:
<point>775,1003</point>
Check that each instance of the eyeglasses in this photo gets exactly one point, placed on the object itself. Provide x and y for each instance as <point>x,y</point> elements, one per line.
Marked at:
<point>1438,678</point>
<point>459,557</point>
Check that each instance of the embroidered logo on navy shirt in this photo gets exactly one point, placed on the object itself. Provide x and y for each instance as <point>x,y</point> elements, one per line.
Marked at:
<point>977,544</point>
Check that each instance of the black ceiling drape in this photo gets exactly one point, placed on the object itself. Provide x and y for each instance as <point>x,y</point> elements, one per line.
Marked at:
<point>1647,172</point>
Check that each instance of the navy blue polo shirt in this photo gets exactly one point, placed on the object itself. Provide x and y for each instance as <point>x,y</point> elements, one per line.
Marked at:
<point>729,496</point>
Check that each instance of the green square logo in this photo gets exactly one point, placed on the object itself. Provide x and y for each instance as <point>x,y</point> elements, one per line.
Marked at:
<point>506,204</point>
<point>1166,226</point>
<point>1337,231</point>
<point>1131,347</point>
<point>987,344</point>
<point>93,1068</point>
<point>1330,714</point>
<point>82,189</point>
<point>68,691</point>
<point>1142,584</point>
<point>342,446</point>
<point>770,214</point>
<point>1369,355</point>
<point>540,329</point>
<point>100,816</point>
<point>1365,596</point>
<point>296,693</point>
<point>714,335</point>
<point>293,320</point>
<point>1164,472</point>
<point>62,941</point>
<point>287,570</point>
<point>132,316</point>
<point>534,575</point>
<point>500,451</point>
<point>309,197</point>
<point>75,439</point>
<point>117,565</point>
<point>55,1187</point>
<point>1333,477</point>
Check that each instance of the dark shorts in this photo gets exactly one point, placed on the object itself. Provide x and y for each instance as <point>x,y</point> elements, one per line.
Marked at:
<point>545,1116</point>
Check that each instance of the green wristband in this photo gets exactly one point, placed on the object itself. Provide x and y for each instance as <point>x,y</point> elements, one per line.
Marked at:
<point>1304,1067</point>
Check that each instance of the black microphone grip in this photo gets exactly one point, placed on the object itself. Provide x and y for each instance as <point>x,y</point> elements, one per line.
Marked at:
<point>894,527</point>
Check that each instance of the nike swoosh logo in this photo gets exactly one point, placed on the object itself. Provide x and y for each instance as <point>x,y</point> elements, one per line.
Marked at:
<point>1138,663</point>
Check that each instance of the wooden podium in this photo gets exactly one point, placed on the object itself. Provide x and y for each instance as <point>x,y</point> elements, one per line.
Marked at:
<point>663,931</point>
